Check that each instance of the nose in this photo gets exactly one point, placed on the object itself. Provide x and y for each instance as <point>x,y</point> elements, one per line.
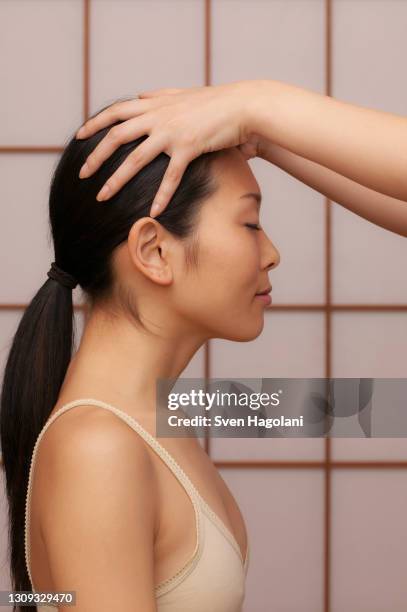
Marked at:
<point>270,255</point>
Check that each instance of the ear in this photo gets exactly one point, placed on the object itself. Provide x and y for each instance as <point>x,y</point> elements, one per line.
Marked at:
<point>149,250</point>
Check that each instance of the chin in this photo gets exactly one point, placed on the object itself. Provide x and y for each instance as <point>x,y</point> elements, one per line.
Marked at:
<point>245,333</point>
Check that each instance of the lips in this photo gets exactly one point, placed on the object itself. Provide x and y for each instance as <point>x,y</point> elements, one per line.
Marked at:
<point>265,291</point>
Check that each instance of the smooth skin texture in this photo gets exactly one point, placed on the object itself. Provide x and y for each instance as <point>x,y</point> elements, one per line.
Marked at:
<point>355,156</point>
<point>99,529</point>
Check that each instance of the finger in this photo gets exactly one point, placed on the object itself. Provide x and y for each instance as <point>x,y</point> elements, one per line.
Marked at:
<point>137,159</point>
<point>159,92</point>
<point>170,91</point>
<point>170,181</point>
<point>115,112</point>
<point>116,136</point>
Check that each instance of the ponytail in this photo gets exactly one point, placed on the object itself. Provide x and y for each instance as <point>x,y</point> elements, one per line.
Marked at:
<point>36,366</point>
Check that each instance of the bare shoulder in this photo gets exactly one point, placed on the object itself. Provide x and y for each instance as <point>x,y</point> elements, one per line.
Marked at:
<point>99,530</point>
<point>98,436</point>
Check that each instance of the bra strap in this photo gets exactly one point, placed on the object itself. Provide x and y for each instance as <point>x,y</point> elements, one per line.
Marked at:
<point>153,442</point>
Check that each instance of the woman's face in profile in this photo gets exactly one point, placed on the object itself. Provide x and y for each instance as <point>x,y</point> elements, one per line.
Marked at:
<point>233,258</point>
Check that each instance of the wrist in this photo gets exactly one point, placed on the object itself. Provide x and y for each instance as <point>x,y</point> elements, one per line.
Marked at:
<point>258,105</point>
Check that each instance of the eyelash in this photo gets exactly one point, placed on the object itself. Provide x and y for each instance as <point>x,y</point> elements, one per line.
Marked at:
<point>253,226</point>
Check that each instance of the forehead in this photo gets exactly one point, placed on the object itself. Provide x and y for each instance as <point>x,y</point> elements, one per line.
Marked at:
<point>251,197</point>
<point>235,180</point>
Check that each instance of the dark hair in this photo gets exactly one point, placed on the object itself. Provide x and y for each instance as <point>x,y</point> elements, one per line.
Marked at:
<point>85,234</point>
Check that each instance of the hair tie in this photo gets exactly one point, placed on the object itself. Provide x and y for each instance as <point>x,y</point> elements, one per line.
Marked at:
<point>65,279</point>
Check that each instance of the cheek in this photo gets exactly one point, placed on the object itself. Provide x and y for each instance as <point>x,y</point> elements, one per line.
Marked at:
<point>233,265</point>
<point>228,273</point>
<point>218,296</point>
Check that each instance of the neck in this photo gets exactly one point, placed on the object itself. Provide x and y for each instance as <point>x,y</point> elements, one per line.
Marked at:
<point>119,361</point>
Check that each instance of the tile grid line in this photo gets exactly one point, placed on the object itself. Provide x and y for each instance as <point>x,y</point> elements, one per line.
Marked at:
<point>277,307</point>
<point>328,333</point>
<point>207,70</point>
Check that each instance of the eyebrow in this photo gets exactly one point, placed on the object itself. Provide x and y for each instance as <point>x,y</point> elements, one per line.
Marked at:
<point>252,194</point>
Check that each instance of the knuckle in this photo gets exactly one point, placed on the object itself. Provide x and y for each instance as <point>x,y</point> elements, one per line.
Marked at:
<point>172,125</point>
<point>113,108</point>
<point>134,160</point>
<point>114,133</point>
<point>189,140</point>
<point>116,110</point>
<point>173,173</point>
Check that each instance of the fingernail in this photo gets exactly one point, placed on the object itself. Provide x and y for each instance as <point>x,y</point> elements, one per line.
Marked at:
<point>80,132</point>
<point>84,171</point>
<point>104,193</point>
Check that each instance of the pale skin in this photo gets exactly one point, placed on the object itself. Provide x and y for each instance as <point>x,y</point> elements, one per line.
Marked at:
<point>107,540</point>
<point>354,155</point>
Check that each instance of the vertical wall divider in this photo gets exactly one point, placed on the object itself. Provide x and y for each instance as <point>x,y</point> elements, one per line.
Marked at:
<point>328,332</point>
<point>207,81</point>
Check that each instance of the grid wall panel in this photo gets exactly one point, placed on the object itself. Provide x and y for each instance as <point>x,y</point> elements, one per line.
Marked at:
<point>138,46</point>
<point>368,46</point>
<point>283,513</point>
<point>369,345</point>
<point>41,49</point>
<point>291,344</point>
<point>26,249</point>
<point>369,541</point>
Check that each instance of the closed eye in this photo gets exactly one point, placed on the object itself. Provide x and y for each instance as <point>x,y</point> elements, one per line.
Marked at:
<point>253,226</point>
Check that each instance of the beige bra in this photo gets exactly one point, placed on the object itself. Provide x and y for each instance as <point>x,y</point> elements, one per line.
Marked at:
<point>214,577</point>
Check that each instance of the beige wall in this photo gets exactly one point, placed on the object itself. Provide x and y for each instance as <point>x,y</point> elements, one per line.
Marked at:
<point>144,44</point>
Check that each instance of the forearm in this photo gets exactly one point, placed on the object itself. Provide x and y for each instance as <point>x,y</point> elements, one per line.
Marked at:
<point>376,207</point>
<point>365,145</point>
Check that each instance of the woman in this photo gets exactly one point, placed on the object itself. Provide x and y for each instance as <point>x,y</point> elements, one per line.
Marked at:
<point>355,156</point>
<point>127,522</point>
